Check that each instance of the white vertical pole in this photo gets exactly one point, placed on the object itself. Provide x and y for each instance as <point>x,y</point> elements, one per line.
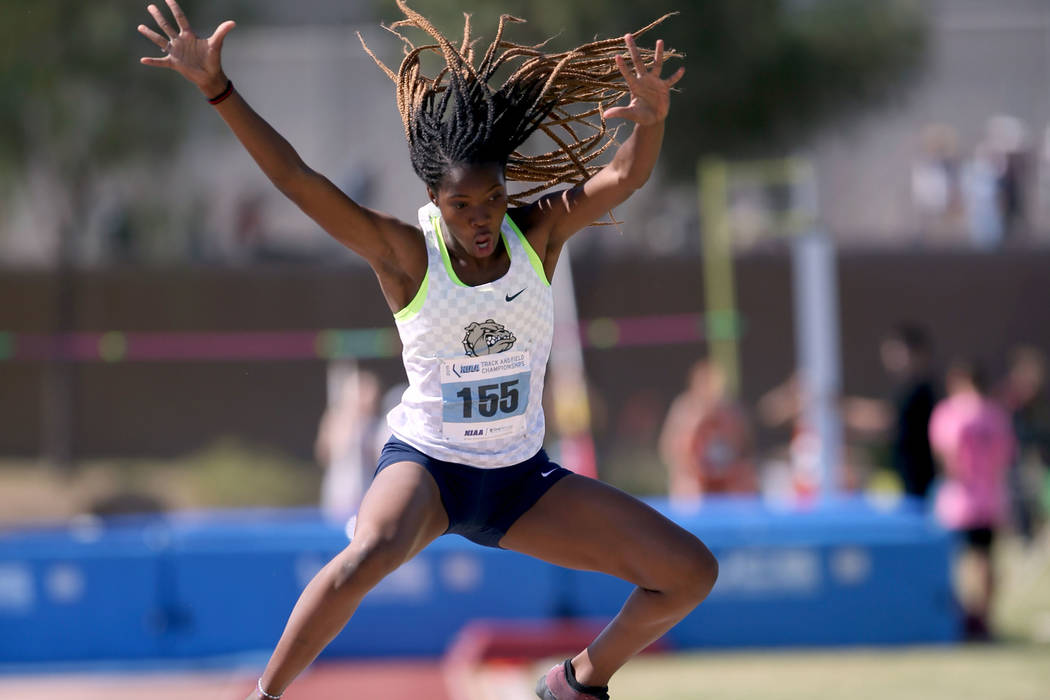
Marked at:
<point>568,379</point>
<point>818,349</point>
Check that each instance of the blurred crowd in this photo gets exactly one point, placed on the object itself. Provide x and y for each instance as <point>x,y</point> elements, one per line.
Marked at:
<point>708,443</point>
<point>974,450</point>
<point>990,194</point>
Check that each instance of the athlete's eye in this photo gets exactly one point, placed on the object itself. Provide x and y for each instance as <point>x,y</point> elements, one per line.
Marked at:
<point>459,205</point>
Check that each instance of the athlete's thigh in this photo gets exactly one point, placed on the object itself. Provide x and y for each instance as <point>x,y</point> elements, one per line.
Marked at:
<point>401,509</point>
<point>582,523</point>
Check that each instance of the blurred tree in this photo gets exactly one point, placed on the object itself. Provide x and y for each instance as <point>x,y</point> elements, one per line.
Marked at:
<point>71,84</point>
<point>762,75</point>
<point>75,102</point>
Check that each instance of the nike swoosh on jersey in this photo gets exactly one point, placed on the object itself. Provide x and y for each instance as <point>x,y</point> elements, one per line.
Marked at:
<point>512,297</point>
<point>548,473</point>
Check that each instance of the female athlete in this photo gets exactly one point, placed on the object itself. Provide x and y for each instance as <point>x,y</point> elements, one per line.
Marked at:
<point>469,288</point>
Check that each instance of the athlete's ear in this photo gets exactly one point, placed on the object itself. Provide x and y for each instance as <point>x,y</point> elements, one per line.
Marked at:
<point>432,195</point>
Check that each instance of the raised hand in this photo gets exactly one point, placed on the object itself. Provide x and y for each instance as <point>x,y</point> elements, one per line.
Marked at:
<point>650,94</point>
<point>196,59</point>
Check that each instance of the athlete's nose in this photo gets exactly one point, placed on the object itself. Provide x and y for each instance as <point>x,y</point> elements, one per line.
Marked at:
<point>480,217</point>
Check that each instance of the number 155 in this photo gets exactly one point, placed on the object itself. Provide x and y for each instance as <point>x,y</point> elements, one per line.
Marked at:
<point>491,398</point>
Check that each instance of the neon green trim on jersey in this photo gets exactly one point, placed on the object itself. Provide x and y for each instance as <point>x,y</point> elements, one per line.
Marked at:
<point>416,305</point>
<point>537,264</point>
<point>436,223</point>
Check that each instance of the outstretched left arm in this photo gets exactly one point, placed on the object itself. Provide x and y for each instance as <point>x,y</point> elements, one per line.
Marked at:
<point>564,213</point>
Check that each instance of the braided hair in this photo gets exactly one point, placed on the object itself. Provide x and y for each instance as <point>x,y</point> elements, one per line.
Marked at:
<point>458,118</point>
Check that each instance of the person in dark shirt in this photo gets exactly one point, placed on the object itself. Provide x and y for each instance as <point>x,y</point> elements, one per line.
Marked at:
<point>905,355</point>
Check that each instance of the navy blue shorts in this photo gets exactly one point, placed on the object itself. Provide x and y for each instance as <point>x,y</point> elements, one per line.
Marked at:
<point>481,504</point>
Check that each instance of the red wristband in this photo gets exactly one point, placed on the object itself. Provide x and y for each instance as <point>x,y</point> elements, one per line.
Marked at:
<point>227,91</point>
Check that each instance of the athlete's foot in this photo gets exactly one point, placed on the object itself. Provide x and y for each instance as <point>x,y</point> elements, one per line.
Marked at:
<point>560,684</point>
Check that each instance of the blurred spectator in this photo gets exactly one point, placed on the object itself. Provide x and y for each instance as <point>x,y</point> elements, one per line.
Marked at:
<point>1009,141</point>
<point>984,216</point>
<point>346,442</point>
<point>792,474</point>
<point>1023,393</point>
<point>935,187</point>
<point>905,355</point>
<point>707,441</point>
<point>796,473</point>
<point>974,440</point>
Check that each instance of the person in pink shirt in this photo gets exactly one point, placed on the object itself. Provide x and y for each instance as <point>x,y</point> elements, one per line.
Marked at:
<point>974,440</point>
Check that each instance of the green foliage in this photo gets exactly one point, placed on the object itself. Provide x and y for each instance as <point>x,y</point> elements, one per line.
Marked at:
<point>762,75</point>
<point>72,92</point>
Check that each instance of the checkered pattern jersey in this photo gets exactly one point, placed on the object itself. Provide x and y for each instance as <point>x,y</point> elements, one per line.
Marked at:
<point>434,327</point>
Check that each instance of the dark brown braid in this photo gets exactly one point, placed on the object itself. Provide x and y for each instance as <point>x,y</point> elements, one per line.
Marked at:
<point>457,117</point>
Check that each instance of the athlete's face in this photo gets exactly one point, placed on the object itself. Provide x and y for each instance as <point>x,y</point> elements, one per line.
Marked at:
<point>473,200</point>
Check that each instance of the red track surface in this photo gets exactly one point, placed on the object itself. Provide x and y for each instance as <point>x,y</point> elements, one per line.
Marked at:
<point>326,681</point>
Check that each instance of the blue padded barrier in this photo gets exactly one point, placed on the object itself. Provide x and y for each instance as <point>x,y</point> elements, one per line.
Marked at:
<point>81,593</point>
<point>848,572</point>
<point>197,585</point>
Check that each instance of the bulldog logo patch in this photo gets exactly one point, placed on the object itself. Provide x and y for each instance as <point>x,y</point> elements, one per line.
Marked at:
<point>487,338</point>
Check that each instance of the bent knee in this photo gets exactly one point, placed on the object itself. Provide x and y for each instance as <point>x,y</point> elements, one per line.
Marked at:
<point>368,560</point>
<point>696,573</point>
<point>706,573</point>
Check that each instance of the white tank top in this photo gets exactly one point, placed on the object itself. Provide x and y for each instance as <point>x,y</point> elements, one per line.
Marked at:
<point>475,356</point>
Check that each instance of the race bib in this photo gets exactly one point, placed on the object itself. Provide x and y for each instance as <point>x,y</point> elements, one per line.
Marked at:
<point>484,398</point>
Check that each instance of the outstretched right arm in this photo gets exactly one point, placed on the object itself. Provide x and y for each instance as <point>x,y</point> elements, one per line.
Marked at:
<point>391,247</point>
